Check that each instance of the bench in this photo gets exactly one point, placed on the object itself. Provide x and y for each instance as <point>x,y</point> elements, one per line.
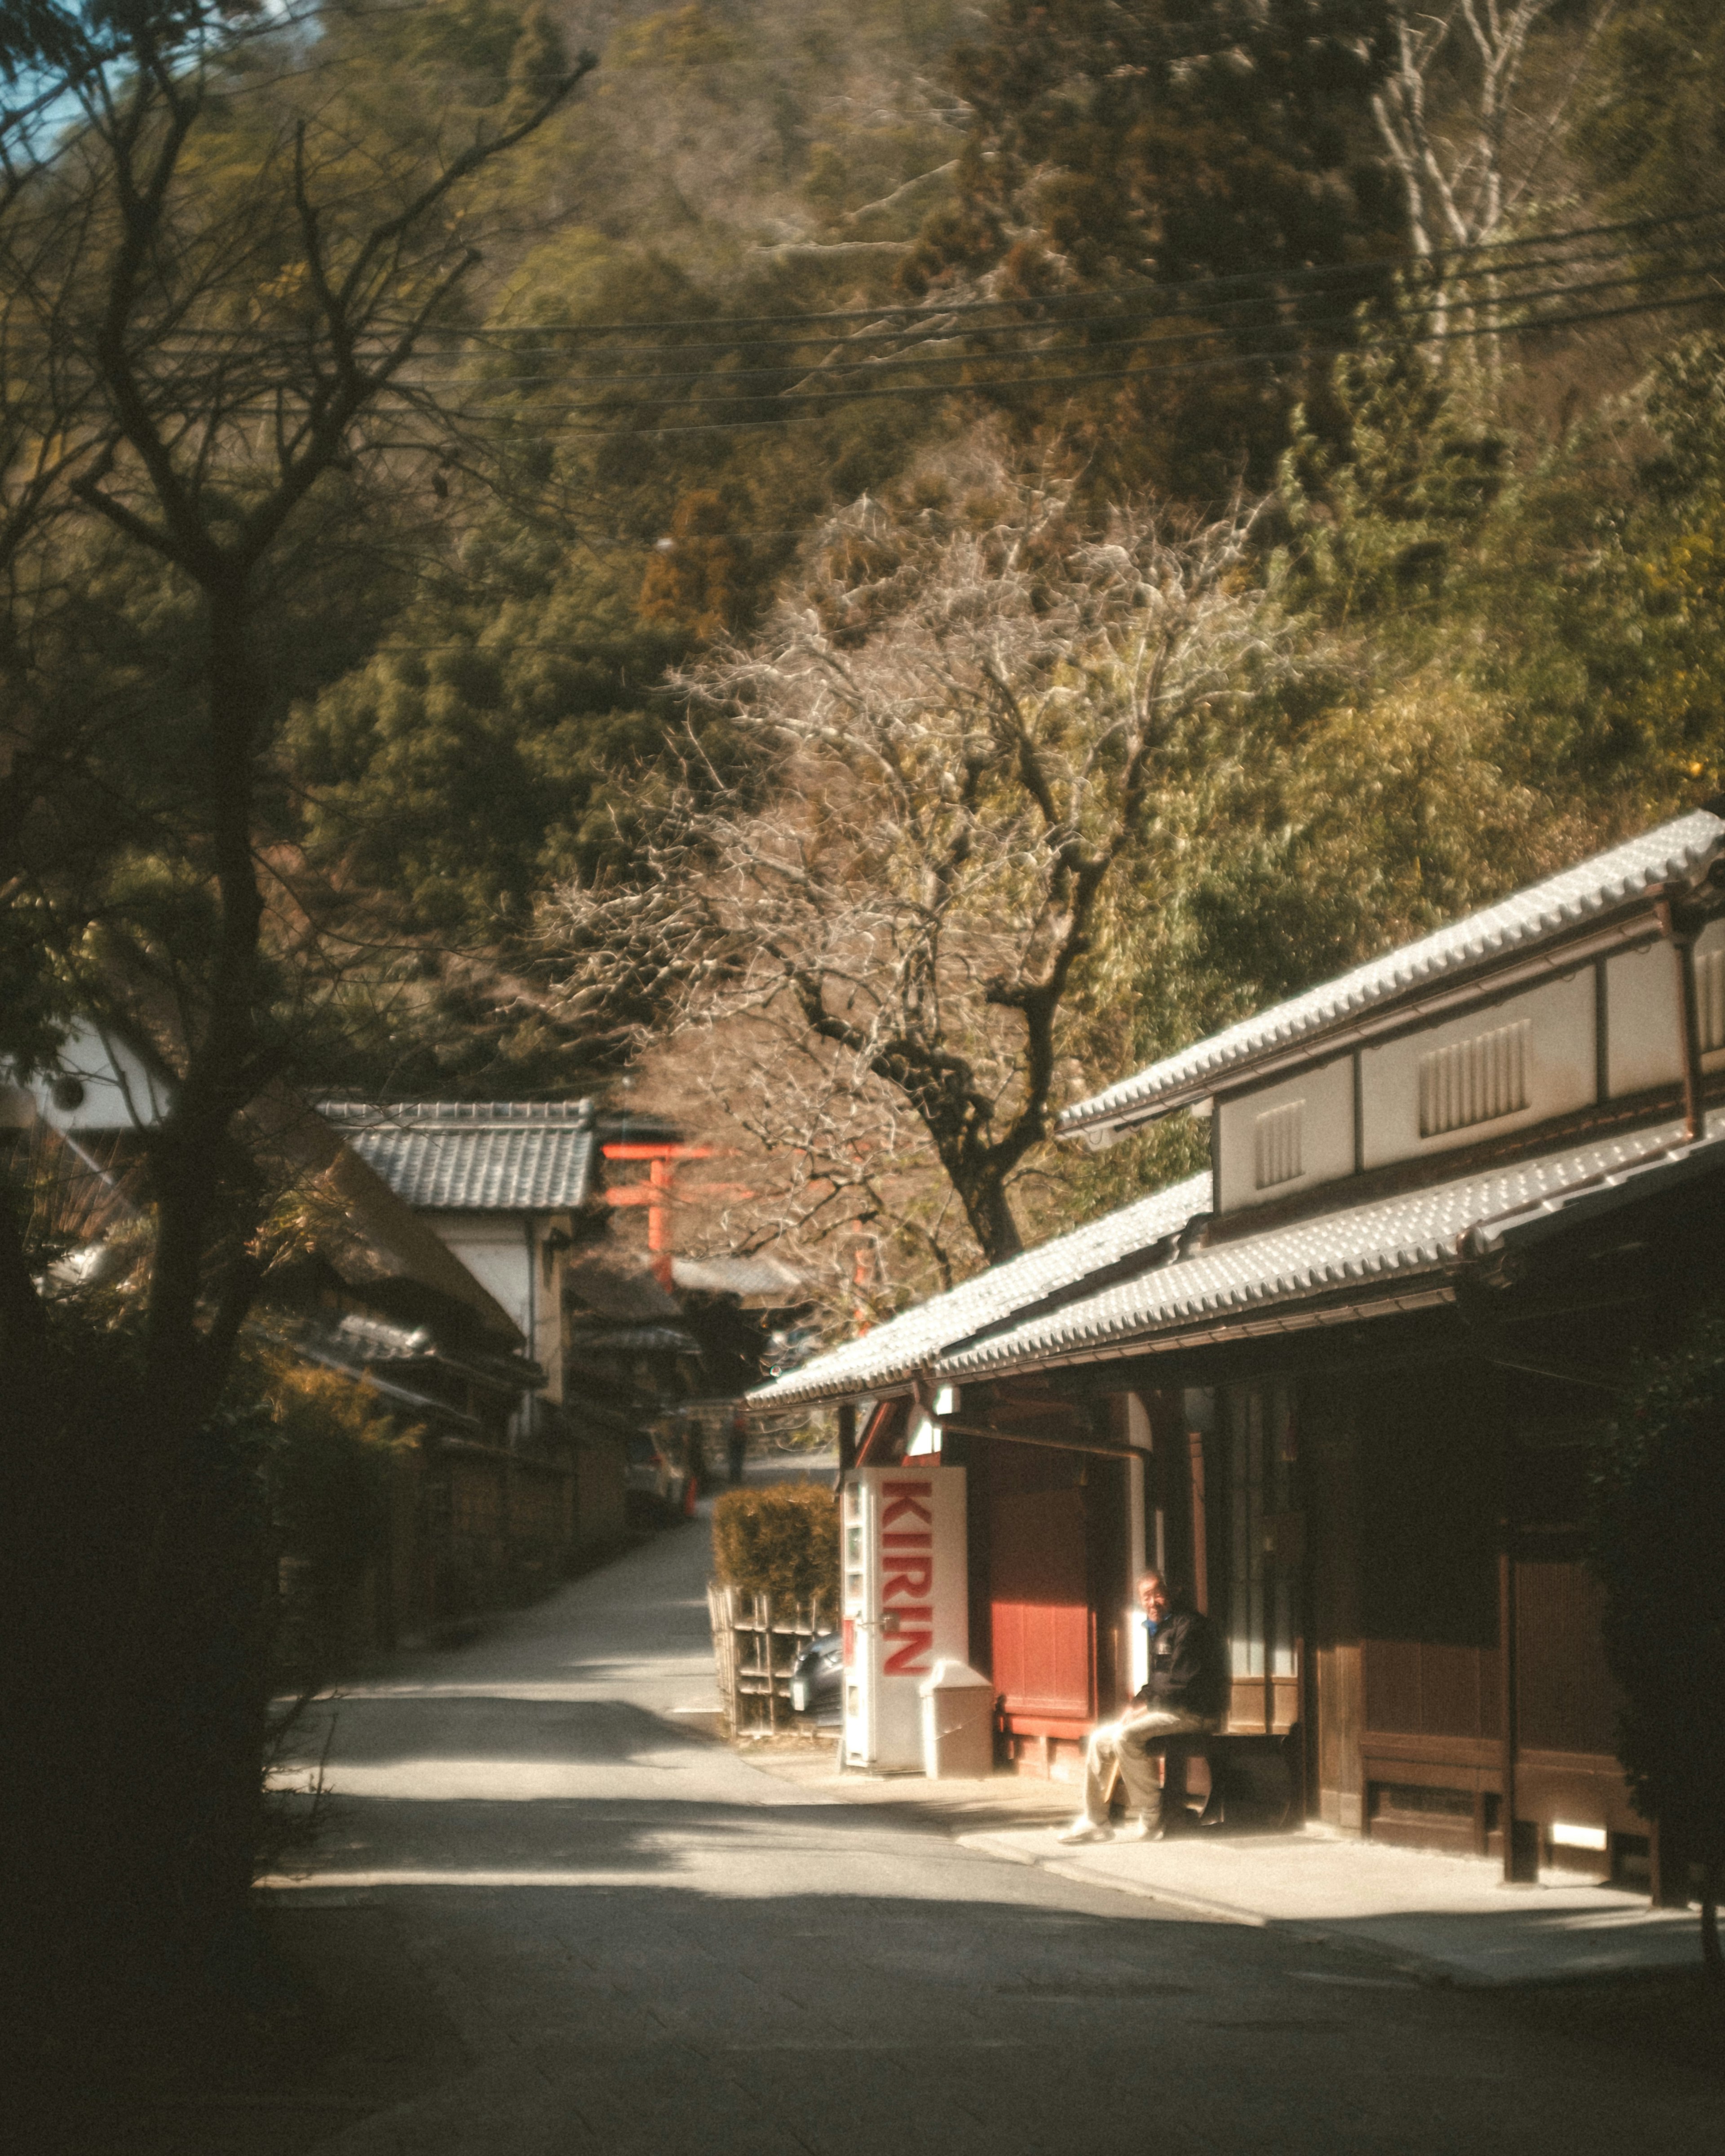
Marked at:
<point>1254,1778</point>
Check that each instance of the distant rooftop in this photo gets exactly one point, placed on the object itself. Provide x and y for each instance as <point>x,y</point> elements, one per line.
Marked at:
<point>474,1156</point>
<point>1680,852</point>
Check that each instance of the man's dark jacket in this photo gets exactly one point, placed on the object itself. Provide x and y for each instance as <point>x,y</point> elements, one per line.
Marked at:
<point>1188,1666</point>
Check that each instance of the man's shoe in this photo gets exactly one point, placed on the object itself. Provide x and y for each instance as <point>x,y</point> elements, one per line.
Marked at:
<point>1084,1830</point>
<point>1150,1829</point>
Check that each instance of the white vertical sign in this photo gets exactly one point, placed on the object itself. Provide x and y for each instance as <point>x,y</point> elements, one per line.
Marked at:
<point>906,1603</point>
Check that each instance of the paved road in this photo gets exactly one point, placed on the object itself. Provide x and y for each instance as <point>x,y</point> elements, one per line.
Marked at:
<point>615,1935</point>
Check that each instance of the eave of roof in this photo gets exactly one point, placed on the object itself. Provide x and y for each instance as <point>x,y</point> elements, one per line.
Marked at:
<point>1396,1253</point>
<point>1551,913</point>
<point>369,1234</point>
<point>888,1356</point>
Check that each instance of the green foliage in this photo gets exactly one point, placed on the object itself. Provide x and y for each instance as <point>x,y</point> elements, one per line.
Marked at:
<point>1651,120</point>
<point>781,1540</point>
<point>1380,520</point>
<point>1659,1526</point>
<point>329,1453</point>
<point>1160,141</point>
<point>488,748</point>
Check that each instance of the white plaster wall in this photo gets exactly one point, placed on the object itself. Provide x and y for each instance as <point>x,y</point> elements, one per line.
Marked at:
<point>1561,1076</point>
<point>494,1251</point>
<point>1643,1020</point>
<point>119,1094</point>
<point>1327,1134</point>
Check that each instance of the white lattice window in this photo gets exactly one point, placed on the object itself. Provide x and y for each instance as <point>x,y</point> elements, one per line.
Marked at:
<point>1277,1137</point>
<point>1474,1081</point>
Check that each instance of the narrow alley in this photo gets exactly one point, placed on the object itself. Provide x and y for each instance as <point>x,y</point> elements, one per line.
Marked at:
<point>559,1917</point>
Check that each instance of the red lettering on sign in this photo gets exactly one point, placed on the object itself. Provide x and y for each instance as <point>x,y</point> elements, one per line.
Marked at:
<point>905,1659</point>
<point>907,1561</point>
<point>849,1643</point>
<point>902,1498</point>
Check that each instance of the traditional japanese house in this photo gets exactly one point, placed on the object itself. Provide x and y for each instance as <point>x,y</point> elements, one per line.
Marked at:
<point>1345,1385</point>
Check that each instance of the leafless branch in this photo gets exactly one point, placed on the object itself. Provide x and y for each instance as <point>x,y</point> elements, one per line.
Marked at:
<point>962,721</point>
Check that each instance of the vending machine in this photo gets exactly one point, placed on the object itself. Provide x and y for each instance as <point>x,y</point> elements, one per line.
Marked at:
<point>905,1603</point>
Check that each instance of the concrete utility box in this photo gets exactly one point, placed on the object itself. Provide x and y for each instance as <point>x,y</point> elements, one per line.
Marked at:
<point>957,1723</point>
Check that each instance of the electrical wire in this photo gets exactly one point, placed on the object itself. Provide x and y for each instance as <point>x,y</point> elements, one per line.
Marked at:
<point>782,414</point>
<point>1284,330</point>
<point>1263,355</point>
<point>1288,330</point>
<point>1256,287</point>
<point>1408,305</point>
<point>1435,265</point>
<point>784,406</point>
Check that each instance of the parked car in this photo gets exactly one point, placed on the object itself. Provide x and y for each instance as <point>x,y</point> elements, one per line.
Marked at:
<point>817,1676</point>
<point>648,1478</point>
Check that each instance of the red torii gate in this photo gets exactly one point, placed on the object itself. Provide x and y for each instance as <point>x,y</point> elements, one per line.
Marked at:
<point>656,1194</point>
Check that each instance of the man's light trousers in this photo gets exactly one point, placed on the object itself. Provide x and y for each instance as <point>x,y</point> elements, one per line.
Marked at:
<point>1132,1743</point>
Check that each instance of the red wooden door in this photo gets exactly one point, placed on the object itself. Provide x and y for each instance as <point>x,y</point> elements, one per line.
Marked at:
<point>1039,1589</point>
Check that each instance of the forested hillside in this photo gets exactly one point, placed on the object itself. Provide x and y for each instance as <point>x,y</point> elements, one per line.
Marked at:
<point>788,306</point>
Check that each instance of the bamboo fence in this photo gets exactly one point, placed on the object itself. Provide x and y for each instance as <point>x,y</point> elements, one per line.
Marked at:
<point>755,1644</point>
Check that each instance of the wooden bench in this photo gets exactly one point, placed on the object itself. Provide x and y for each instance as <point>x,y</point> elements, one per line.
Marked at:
<point>1254,1778</point>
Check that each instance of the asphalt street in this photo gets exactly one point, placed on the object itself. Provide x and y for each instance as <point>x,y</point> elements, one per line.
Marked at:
<point>579,1923</point>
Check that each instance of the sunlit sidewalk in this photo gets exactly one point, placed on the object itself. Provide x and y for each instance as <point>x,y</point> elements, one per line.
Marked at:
<point>1445,1917</point>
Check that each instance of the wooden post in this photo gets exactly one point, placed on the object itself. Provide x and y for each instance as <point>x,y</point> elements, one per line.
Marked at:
<point>847,1439</point>
<point>1200,1528</point>
<point>1268,1593</point>
<point>1518,1871</point>
<point>766,1601</point>
<point>1680,935</point>
<point>1669,1869</point>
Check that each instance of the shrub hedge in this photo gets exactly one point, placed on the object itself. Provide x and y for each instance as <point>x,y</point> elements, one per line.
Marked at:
<point>782,1541</point>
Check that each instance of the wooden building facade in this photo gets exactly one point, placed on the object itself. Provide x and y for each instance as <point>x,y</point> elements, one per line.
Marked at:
<point>1346,1386</point>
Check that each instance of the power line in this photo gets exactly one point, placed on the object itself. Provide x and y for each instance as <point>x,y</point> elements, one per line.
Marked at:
<point>1434,265</point>
<point>1289,339</point>
<point>783,406</point>
<point>1492,257</point>
<point>578,377</point>
<point>782,410</point>
<point>936,318</point>
<point>1262,356</point>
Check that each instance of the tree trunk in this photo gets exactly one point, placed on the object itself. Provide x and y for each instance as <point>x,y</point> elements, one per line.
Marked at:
<point>221,1069</point>
<point>983,1196</point>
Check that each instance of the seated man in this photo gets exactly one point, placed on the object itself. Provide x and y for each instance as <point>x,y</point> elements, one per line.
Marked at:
<point>1187,1695</point>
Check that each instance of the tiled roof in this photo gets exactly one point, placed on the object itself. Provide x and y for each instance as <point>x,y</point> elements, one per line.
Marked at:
<point>912,1341</point>
<point>1678,852</point>
<point>487,1156</point>
<point>761,1275</point>
<point>1409,1242</point>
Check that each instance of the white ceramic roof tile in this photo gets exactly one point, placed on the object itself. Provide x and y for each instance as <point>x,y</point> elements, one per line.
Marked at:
<point>912,1341</point>
<point>1403,1238</point>
<point>1676,852</point>
<point>501,1156</point>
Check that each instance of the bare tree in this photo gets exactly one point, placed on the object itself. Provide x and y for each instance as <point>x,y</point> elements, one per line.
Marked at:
<point>1468,151</point>
<point>215,277</point>
<point>966,726</point>
<point>227,353</point>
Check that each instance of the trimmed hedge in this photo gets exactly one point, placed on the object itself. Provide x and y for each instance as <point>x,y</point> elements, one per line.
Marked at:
<point>782,1541</point>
